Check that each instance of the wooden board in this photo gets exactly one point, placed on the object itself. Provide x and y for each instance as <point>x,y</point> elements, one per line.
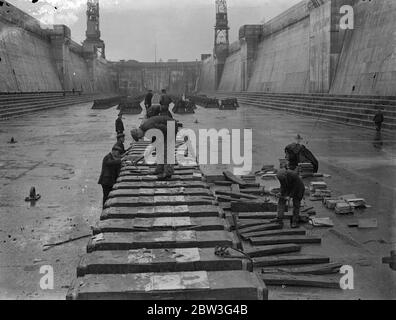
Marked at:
<point>197,177</point>
<point>158,201</point>
<point>128,173</point>
<point>300,280</point>
<point>261,228</point>
<point>285,232</point>
<point>289,260</point>
<point>320,269</point>
<point>161,211</point>
<point>158,260</point>
<point>245,224</point>
<point>160,184</point>
<point>177,168</point>
<point>231,195</point>
<point>264,251</point>
<point>160,240</point>
<point>202,285</point>
<point>160,224</point>
<point>257,215</point>
<point>231,177</point>
<point>160,192</point>
<point>253,206</point>
<point>284,239</point>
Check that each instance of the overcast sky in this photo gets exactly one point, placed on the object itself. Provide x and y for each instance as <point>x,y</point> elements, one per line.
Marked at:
<point>182,29</point>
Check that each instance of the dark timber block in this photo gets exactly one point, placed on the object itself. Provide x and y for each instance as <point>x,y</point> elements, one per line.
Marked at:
<point>158,201</point>
<point>289,260</point>
<point>158,260</point>
<point>320,269</point>
<point>196,177</point>
<point>300,280</point>
<point>160,224</point>
<point>263,251</point>
<point>161,211</point>
<point>127,173</point>
<point>257,215</point>
<point>160,240</point>
<point>284,240</point>
<point>160,184</point>
<point>259,234</point>
<point>198,285</point>
<point>253,206</point>
<point>262,227</point>
<point>160,192</point>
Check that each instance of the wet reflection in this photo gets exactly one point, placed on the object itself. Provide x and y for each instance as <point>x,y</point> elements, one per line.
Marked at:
<point>378,143</point>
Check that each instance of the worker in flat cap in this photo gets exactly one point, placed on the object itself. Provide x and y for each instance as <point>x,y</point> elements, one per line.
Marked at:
<point>164,171</point>
<point>120,142</point>
<point>291,186</point>
<point>111,166</point>
<point>119,125</point>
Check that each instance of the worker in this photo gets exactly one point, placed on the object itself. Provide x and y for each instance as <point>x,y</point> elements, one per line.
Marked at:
<point>119,125</point>
<point>378,120</point>
<point>165,101</point>
<point>148,99</point>
<point>296,153</point>
<point>164,171</point>
<point>153,111</point>
<point>120,142</point>
<point>291,186</point>
<point>111,167</point>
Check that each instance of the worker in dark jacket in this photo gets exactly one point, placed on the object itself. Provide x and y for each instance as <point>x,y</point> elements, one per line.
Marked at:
<point>111,167</point>
<point>291,186</point>
<point>297,153</point>
<point>165,101</point>
<point>120,142</point>
<point>163,170</point>
<point>148,99</point>
<point>378,120</point>
<point>119,125</point>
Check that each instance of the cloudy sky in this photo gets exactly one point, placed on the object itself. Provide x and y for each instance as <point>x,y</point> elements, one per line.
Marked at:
<point>131,29</point>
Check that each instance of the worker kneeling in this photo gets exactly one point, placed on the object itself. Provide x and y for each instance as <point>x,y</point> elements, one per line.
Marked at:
<point>165,162</point>
<point>291,186</point>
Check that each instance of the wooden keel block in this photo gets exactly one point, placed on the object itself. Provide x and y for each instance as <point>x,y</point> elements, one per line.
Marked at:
<point>300,281</point>
<point>265,227</point>
<point>289,260</point>
<point>253,206</point>
<point>259,234</point>
<point>284,239</point>
<point>200,285</point>
<point>196,192</point>
<point>161,185</point>
<point>158,260</point>
<point>160,224</point>
<point>161,211</point>
<point>161,240</point>
<point>257,215</point>
<point>264,251</point>
<point>158,201</point>
<point>197,177</point>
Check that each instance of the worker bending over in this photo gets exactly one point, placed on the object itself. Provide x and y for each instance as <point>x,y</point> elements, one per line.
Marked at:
<point>164,171</point>
<point>291,186</point>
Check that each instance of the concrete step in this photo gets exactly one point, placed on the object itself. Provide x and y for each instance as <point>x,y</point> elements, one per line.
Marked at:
<point>359,112</point>
<point>28,110</point>
<point>27,97</point>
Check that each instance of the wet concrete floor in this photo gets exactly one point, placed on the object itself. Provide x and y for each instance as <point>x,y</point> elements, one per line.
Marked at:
<point>60,153</point>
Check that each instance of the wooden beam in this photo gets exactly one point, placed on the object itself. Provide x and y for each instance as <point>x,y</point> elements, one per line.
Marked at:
<point>300,281</point>
<point>259,234</point>
<point>284,239</point>
<point>289,260</point>
<point>264,251</point>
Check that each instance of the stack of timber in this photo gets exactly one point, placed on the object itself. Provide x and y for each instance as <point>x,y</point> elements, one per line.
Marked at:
<point>281,256</point>
<point>131,105</point>
<point>107,102</point>
<point>158,240</point>
<point>228,104</point>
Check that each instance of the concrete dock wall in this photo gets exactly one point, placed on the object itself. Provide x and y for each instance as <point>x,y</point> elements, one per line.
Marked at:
<point>36,59</point>
<point>305,50</point>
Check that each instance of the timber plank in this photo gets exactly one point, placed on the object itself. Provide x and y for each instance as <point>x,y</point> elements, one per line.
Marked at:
<point>157,201</point>
<point>285,232</point>
<point>260,228</point>
<point>263,251</point>
<point>161,211</point>
<point>160,224</point>
<point>128,173</point>
<point>231,177</point>
<point>320,269</point>
<point>253,206</point>
<point>160,192</point>
<point>202,285</point>
<point>284,240</point>
<point>160,240</point>
<point>196,177</point>
<point>289,260</point>
<point>158,260</point>
<point>160,184</point>
<point>300,280</point>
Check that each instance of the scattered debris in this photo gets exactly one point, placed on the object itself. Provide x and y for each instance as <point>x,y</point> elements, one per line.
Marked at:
<point>51,245</point>
<point>364,224</point>
<point>32,195</point>
<point>321,222</point>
